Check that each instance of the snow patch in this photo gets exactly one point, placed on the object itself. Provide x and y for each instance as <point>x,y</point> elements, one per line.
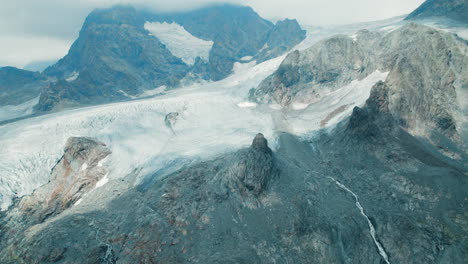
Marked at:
<point>180,42</point>
<point>102,181</point>
<point>247,105</point>
<point>153,92</point>
<point>84,166</point>
<point>275,106</point>
<point>246,58</point>
<point>101,162</point>
<point>299,106</point>
<point>354,37</point>
<point>73,76</point>
<point>390,28</point>
<point>127,95</point>
<point>78,202</point>
<point>239,66</point>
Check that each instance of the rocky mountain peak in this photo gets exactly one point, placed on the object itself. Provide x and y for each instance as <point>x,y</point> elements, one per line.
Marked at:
<point>260,143</point>
<point>116,57</point>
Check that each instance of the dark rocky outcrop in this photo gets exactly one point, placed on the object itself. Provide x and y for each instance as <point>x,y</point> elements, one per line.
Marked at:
<point>261,144</point>
<point>448,9</point>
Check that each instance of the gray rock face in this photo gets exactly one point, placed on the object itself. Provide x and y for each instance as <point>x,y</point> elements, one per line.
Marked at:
<point>451,9</point>
<point>425,67</point>
<point>284,36</point>
<point>18,86</point>
<point>421,88</point>
<point>328,64</point>
<point>292,206</point>
<point>115,58</point>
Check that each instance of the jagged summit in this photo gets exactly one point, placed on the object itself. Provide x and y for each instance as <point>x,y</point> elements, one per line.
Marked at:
<point>122,52</point>
<point>260,143</point>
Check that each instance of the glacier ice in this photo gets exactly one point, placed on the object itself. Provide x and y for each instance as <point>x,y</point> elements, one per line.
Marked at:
<point>180,42</point>
<point>214,117</point>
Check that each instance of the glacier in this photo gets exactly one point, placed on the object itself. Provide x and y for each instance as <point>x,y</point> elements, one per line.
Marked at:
<point>214,118</point>
<point>180,42</point>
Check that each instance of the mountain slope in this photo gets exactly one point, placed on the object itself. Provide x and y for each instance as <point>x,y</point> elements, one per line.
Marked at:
<point>304,201</point>
<point>365,162</point>
<point>427,70</point>
<point>449,9</point>
<point>119,54</point>
<point>18,86</point>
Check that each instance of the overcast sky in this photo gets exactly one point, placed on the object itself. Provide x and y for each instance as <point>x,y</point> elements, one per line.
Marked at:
<point>43,30</point>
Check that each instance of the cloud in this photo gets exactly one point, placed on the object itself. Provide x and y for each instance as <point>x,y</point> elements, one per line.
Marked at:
<point>326,12</point>
<point>19,51</point>
<point>50,24</point>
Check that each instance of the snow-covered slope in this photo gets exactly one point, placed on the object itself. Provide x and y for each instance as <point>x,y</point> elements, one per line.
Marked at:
<point>212,119</point>
<point>317,33</point>
<point>180,42</point>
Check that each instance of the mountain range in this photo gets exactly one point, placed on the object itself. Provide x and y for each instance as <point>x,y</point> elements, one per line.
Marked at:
<point>122,52</point>
<point>261,143</point>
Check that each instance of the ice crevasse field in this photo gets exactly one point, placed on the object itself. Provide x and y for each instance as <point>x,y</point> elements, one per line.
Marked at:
<point>212,118</point>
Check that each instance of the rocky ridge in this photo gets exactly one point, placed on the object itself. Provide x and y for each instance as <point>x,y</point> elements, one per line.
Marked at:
<point>427,71</point>
<point>448,9</point>
<point>18,86</point>
<point>115,58</point>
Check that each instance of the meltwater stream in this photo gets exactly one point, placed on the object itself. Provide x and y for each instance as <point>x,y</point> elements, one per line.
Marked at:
<point>371,226</point>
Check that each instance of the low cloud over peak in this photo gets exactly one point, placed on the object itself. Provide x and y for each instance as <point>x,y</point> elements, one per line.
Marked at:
<point>57,22</point>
